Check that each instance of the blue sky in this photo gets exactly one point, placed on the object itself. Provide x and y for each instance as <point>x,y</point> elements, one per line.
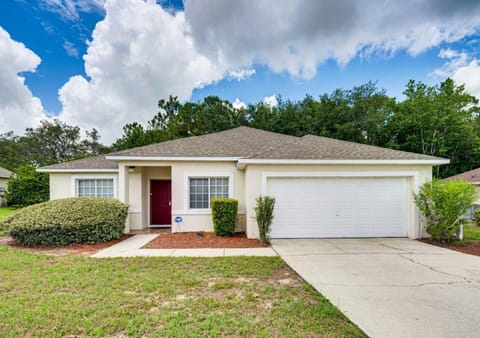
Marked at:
<point>143,51</point>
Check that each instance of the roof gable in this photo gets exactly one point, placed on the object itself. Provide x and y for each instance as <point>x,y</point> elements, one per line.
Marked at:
<point>468,176</point>
<point>5,173</point>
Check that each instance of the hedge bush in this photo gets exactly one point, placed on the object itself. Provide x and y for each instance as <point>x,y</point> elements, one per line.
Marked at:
<point>264,216</point>
<point>443,205</point>
<point>476,216</point>
<point>27,187</point>
<point>224,214</point>
<point>69,220</point>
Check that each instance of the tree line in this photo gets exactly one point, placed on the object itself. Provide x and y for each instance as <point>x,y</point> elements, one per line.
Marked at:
<point>440,120</point>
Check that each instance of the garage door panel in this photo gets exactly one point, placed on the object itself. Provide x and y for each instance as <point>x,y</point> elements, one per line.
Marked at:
<point>339,207</point>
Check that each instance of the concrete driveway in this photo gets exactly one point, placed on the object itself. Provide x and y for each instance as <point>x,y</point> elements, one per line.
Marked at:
<point>392,287</point>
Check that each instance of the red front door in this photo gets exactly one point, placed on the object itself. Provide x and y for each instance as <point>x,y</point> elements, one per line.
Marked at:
<point>160,202</point>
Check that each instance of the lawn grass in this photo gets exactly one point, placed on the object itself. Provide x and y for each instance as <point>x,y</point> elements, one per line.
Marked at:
<point>471,231</point>
<point>6,211</point>
<point>228,296</point>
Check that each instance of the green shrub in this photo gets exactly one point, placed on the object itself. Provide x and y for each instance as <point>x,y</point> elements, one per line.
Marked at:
<point>476,216</point>
<point>224,215</point>
<point>443,204</point>
<point>264,216</point>
<point>27,187</point>
<point>69,220</point>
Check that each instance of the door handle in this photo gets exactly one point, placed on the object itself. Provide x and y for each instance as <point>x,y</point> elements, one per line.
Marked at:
<point>169,203</point>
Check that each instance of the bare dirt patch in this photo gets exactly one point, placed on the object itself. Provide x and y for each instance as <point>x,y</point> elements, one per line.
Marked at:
<point>75,249</point>
<point>187,240</point>
<point>468,247</point>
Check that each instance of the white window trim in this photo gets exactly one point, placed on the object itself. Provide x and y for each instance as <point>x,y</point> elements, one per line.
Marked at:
<point>74,179</point>
<point>207,174</point>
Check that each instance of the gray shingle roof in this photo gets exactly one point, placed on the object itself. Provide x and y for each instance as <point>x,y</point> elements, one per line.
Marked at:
<point>250,143</point>
<point>468,176</point>
<point>5,173</point>
<point>311,147</point>
<point>96,162</point>
<point>238,142</point>
<point>245,142</point>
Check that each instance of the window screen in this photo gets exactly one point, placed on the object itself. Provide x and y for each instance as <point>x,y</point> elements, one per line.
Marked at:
<point>202,190</point>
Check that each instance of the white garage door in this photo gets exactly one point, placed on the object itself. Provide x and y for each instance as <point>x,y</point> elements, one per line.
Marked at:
<point>339,207</point>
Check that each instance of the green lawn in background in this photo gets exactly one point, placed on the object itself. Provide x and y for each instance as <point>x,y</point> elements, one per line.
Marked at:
<point>5,211</point>
<point>471,231</point>
<point>135,297</point>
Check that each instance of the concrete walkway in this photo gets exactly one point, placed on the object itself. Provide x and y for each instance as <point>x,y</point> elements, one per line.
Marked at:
<point>392,287</point>
<point>132,247</point>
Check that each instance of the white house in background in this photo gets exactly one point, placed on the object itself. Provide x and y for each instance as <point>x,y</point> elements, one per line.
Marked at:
<point>323,187</point>
<point>4,177</point>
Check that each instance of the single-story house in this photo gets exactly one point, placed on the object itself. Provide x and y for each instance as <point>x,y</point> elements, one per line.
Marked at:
<point>323,187</point>
<point>473,177</point>
<point>5,175</point>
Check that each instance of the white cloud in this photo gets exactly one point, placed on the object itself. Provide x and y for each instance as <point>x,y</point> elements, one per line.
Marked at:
<point>455,59</point>
<point>469,75</point>
<point>70,48</point>
<point>237,104</point>
<point>297,35</point>
<point>271,100</point>
<point>241,74</point>
<point>70,9</point>
<point>462,67</point>
<point>19,109</point>
<point>139,54</point>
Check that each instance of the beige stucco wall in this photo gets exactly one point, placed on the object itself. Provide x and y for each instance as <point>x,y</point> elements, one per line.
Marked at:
<point>179,172</point>
<point>3,182</point>
<point>63,185</point>
<point>256,175</point>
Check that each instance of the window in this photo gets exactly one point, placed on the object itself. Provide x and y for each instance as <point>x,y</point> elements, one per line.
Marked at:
<point>95,188</point>
<point>202,190</point>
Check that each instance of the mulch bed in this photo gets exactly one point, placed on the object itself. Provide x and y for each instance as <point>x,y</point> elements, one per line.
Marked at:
<point>188,240</point>
<point>469,247</point>
<point>75,249</point>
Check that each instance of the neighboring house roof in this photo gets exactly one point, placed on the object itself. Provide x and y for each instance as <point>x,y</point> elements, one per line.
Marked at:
<point>468,176</point>
<point>5,173</point>
<point>248,144</point>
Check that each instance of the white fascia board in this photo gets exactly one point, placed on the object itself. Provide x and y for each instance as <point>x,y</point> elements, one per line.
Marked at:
<point>260,161</point>
<point>171,158</point>
<point>40,170</point>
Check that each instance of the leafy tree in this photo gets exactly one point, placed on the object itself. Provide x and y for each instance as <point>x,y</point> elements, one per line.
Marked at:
<point>438,121</point>
<point>12,151</point>
<point>443,203</point>
<point>133,136</point>
<point>49,143</point>
<point>27,187</point>
<point>176,120</point>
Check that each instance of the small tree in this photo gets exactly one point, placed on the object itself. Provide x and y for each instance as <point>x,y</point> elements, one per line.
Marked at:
<point>443,203</point>
<point>27,187</point>
<point>264,216</point>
